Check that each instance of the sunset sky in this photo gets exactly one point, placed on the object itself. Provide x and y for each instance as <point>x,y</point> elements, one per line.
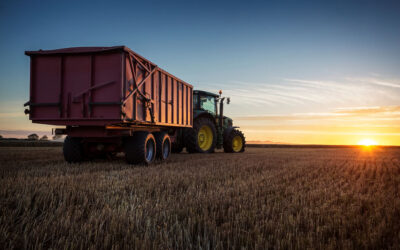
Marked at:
<point>296,71</point>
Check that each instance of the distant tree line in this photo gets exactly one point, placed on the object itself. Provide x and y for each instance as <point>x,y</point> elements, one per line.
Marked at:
<point>35,137</point>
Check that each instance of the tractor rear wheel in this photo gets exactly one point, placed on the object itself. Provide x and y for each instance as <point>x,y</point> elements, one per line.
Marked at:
<point>202,138</point>
<point>234,142</point>
<point>73,149</point>
<point>163,145</point>
<point>140,148</point>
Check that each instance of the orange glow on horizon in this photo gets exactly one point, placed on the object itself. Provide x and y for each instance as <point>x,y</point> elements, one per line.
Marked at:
<point>367,142</point>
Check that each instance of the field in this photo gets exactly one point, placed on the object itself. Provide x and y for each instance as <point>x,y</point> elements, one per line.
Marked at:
<point>266,198</point>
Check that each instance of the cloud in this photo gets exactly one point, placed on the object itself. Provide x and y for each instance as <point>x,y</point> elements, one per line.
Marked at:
<point>317,83</point>
<point>377,81</point>
<point>349,113</point>
<point>386,110</point>
<point>306,92</point>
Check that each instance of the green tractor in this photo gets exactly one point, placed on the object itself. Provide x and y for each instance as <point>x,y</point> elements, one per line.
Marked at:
<point>211,129</point>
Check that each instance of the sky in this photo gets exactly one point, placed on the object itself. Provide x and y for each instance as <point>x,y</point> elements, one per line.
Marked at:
<point>304,72</point>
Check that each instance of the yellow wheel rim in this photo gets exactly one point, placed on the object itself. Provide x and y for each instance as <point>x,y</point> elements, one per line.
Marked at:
<point>205,138</point>
<point>237,143</point>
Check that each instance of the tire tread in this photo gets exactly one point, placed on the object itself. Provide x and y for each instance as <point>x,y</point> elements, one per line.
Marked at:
<point>160,138</point>
<point>135,148</point>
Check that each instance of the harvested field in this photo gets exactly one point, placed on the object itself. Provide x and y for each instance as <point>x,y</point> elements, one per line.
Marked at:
<point>325,198</point>
<point>28,143</point>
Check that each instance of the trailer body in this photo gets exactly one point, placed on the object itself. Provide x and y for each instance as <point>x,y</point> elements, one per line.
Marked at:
<point>110,100</point>
<point>105,87</point>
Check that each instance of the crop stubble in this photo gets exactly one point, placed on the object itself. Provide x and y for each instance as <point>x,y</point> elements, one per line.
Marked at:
<point>265,198</point>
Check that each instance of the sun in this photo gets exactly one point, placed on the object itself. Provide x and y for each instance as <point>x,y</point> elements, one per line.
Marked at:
<point>367,142</point>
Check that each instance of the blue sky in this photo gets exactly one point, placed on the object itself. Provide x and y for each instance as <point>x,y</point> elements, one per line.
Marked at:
<point>274,58</point>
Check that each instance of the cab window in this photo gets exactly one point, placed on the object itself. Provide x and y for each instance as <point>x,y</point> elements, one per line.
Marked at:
<point>208,103</point>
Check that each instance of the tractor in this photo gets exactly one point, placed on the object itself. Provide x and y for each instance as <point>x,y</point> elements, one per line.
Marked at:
<point>211,129</point>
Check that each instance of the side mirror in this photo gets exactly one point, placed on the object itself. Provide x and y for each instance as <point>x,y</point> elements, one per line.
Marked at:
<point>228,100</point>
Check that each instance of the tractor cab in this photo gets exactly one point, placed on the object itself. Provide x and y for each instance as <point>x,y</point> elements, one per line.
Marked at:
<point>204,101</point>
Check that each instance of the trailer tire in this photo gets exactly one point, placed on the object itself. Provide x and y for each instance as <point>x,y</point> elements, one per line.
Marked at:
<point>163,145</point>
<point>140,148</point>
<point>204,129</point>
<point>73,149</point>
<point>234,141</point>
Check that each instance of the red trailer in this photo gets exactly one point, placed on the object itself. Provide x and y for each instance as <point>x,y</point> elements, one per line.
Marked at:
<point>110,99</point>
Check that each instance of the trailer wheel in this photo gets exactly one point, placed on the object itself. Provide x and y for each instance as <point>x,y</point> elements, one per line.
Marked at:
<point>163,143</point>
<point>73,149</point>
<point>140,148</point>
<point>234,141</point>
<point>202,138</point>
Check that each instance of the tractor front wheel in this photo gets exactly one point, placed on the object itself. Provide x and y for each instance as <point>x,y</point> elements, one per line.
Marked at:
<point>234,141</point>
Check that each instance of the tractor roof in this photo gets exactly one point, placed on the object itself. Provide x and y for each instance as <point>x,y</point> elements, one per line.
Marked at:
<point>201,92</point>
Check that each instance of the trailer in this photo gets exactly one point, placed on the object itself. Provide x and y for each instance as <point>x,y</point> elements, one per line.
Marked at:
<point>110,100</point>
